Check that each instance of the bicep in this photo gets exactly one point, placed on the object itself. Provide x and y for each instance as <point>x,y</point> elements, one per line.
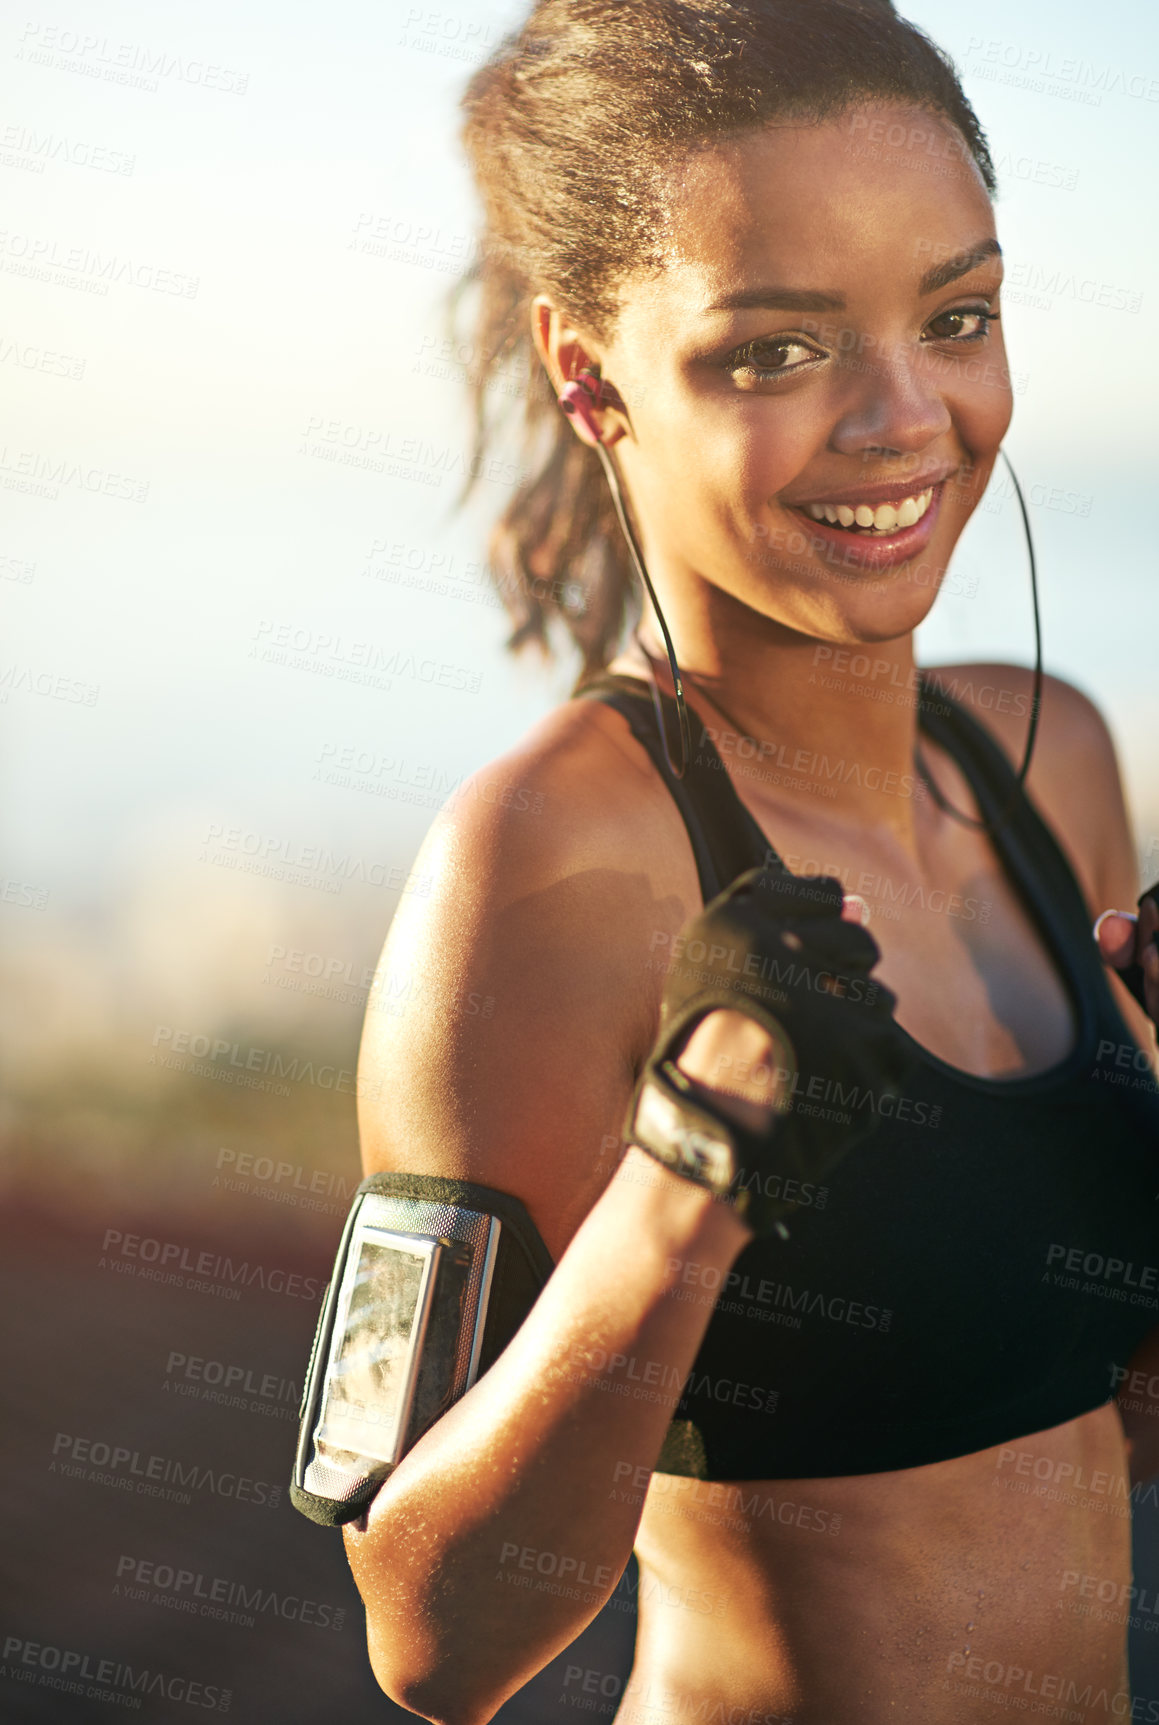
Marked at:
<point>1074,776</point>
<point>1075,781</point>
<point>1113,860</point>
<point>1091,811</point>
<point>509,1013</point>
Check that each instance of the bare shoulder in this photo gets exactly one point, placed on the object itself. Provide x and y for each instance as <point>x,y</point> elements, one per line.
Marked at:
<point>1074,775</point>
<point>515,1000</point>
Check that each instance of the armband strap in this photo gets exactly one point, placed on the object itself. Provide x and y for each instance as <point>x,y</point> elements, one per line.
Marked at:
<point>432,1279</point>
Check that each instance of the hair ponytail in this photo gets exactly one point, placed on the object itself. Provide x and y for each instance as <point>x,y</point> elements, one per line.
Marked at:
<point>556,551</point>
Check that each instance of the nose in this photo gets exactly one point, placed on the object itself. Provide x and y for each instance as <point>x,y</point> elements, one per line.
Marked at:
<point>893,407</point>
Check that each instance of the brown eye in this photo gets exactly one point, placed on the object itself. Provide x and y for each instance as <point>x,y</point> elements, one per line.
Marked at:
<point>758,360</point>
<point>966,323</point>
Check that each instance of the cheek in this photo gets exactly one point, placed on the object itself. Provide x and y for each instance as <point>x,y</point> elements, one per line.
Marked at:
<point>779,441</point>
<point>984,403</point>
<point>708,470</point>
<point>750,452</point>
<point>989,421</point>
<point>982,412</point>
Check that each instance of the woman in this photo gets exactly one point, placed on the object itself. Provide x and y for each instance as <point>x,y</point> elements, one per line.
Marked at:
<point>762,230</point>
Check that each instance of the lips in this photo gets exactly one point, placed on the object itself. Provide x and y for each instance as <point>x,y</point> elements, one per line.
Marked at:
<point>863,544</point>
<point>888,491</point>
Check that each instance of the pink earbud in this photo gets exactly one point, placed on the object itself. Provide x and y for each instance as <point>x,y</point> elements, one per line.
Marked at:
<point>579,401</point>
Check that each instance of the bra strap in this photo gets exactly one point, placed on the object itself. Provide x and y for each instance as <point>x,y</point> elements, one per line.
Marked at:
<point>725,839</point>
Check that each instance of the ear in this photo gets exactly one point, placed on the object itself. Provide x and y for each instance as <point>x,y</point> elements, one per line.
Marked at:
<point>565,353</point>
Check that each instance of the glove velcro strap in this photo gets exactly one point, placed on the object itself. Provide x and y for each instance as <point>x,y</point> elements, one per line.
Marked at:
<point>676,1120</point>
<point>668,1122</point>
<point>695,1141</point>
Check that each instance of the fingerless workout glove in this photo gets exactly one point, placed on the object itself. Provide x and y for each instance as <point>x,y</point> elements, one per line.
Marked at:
<point>1132,976</point>
<point>775,947</point>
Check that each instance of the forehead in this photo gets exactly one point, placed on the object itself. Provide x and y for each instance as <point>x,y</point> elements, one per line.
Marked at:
<point>865,200</point>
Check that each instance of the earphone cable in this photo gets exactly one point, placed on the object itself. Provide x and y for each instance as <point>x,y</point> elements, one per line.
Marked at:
<point>942,801</point>
<point>678,772</point>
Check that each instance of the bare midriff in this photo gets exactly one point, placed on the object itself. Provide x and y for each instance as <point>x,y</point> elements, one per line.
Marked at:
<point>991,1585</point>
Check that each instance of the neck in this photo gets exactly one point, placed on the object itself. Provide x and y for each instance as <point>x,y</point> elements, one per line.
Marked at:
<point>796,718</point>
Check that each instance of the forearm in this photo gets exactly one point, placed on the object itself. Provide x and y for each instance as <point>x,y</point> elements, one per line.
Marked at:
<point>501,1533</point>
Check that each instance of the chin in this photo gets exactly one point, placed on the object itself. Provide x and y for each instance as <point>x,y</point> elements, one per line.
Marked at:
<point>849,608</point>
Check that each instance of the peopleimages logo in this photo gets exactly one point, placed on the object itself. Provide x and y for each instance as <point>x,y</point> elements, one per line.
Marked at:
<point>169,1261</point>
<point>126,1469</point>
<point>192,1591</point>
<point>787,972</point>
<point>1097,1264</point>
<point>98,1679</point>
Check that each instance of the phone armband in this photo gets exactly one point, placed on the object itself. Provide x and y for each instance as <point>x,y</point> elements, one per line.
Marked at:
<point>432,1279</point>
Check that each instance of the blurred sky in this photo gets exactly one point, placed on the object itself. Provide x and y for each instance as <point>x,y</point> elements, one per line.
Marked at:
<point>275,198</point>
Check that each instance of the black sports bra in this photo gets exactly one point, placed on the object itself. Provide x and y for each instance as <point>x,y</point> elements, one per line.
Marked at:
<point>980,1267</point>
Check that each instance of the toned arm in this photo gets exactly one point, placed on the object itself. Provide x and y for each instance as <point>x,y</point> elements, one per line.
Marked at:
<point>528,1000</point>
<point>519,997</point>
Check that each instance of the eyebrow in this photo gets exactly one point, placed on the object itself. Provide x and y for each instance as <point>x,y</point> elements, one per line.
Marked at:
<point>961,265</point>
<point>805,299</point>
<point>779,299</point>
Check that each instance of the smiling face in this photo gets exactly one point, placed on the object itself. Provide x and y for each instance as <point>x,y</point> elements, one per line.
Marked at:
<point>814,383</point>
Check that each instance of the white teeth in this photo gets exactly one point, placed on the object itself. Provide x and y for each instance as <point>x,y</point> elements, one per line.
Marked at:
<point>885,518</point>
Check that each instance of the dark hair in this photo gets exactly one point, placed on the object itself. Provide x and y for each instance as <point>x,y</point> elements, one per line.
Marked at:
<point>568,127</point>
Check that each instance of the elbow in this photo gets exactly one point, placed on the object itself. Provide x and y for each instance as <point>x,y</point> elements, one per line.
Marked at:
<point>431,1701</point>
<point>443,1693</point>
<point>423,1656</point>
